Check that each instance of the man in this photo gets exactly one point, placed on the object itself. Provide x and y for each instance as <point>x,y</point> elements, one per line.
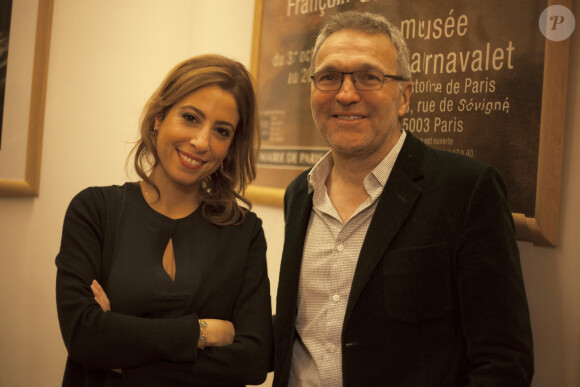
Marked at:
<point>400,265</point>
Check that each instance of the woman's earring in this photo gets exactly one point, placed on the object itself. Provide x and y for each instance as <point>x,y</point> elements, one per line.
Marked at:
<point>220,169</point>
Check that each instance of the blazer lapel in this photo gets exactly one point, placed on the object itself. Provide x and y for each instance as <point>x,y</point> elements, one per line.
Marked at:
<point>297,217</point>
<point>396,201</point>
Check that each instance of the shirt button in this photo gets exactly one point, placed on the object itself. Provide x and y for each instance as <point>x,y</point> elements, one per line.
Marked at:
<point>331,348</point>
<point>340,247</point>
<point>336,297</point>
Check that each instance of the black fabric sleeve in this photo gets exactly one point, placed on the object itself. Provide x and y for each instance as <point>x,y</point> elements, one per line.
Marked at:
<point>493,305</point>
<point>100,339</point>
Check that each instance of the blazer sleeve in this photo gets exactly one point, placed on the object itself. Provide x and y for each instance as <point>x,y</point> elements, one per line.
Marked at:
<point>247,360</point>
<point>492,299</point>
<point>98,339</point>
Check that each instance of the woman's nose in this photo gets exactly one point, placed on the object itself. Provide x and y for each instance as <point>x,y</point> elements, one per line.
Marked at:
<point>200,139</point>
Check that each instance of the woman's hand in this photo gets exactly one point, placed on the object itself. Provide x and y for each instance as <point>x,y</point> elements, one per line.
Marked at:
<point>103,300</point>
<point>219,332</point>
<point>100,296</point>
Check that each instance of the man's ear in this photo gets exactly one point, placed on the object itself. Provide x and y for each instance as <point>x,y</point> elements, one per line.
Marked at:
<point>405,98</point>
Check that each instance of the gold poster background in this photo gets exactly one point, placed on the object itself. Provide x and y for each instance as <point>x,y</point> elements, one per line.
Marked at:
<point>489,64</point>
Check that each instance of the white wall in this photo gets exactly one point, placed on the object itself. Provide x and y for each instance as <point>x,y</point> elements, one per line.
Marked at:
<point>106,58</point>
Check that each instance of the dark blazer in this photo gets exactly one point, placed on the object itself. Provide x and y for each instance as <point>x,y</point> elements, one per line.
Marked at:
<point>437,297</point>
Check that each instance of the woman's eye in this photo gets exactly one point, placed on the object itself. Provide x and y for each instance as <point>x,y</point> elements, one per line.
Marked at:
<point>189,117</point>
<point>224,132</point>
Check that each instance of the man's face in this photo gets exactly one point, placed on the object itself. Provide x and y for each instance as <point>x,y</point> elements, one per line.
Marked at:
<point>355,123</point>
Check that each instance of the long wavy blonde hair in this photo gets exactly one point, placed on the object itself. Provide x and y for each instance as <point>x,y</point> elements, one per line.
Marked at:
<point>221,191</point>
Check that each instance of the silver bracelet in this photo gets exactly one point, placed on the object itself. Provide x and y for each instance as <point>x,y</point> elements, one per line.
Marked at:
<point>202,334</point>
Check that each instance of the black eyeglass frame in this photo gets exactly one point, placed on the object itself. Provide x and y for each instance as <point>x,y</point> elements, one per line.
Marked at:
<point>395,77</point>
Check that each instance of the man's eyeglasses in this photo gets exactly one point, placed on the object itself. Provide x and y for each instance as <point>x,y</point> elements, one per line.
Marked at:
<point>363,80</point>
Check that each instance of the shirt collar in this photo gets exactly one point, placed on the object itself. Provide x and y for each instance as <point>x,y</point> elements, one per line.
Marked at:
<point>374,182</point>
<point>319,173</point>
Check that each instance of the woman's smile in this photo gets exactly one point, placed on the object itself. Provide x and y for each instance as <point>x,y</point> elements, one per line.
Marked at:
<point>189,161</point>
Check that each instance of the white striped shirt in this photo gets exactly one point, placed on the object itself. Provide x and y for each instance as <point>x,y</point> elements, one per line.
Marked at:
<point>330,255</point>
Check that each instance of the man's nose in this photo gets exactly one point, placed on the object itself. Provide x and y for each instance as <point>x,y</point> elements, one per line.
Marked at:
<point>348,93</point>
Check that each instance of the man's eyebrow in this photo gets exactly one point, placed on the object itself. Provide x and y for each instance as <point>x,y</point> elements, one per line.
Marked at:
<point>363,67</point>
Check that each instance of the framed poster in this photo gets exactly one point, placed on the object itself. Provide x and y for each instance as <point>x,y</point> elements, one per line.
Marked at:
<point>5,18</point>
<point>487,85</point>
<point>23,118</point>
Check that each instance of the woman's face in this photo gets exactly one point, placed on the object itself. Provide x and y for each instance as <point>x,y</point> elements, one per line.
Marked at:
<point>194,137</point>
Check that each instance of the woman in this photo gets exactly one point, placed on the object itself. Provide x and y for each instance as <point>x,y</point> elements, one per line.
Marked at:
<point>164,282</point>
